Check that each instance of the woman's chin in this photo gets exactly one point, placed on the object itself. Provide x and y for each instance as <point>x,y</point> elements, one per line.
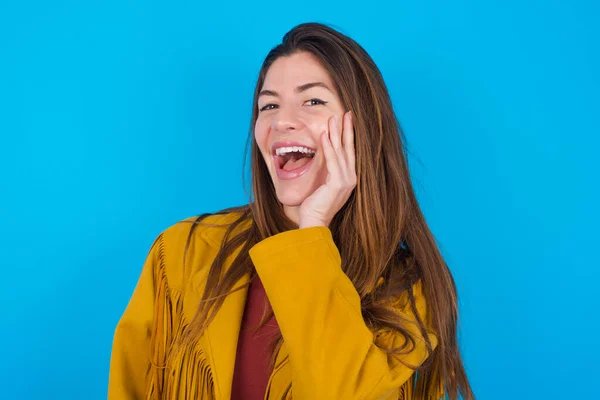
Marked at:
<point>292,192</point>
<point>292,198</point>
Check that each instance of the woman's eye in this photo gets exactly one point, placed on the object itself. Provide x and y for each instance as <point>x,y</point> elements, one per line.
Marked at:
<point>318,101</point>
<point>266,107</point>
<point>315,102</point>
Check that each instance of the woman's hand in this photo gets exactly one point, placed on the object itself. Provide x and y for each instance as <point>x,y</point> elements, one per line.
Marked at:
<point>338,146</point>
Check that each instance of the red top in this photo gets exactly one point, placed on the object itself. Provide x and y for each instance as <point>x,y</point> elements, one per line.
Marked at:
<point>250,376</point>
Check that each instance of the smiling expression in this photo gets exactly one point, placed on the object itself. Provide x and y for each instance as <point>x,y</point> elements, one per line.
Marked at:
<point>295,103</point>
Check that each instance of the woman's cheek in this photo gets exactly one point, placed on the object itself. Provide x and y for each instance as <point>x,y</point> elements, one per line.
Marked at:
<point>260,134</point>
<point>317,128</point>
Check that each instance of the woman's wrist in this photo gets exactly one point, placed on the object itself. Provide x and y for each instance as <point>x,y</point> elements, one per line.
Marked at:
<point>309,223</point>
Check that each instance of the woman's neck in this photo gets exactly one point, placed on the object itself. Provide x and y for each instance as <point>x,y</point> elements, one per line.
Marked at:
<point>292,213</point>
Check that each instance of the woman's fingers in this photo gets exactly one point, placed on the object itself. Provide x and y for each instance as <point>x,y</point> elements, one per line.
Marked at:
<point>338,147</point>
<point>331,157</point>
<point>335,133</point>
<point>348,140</point>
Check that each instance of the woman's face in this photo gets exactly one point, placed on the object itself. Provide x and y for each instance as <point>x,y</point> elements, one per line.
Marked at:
<point>295,104</point>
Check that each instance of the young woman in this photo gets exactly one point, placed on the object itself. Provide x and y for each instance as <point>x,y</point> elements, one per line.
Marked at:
<point>328,284</point>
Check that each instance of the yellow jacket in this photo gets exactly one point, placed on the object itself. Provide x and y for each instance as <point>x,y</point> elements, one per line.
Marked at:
<point>332,353</point>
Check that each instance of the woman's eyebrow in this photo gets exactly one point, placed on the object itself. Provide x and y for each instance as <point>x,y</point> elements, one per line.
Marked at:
<point>299,89</point>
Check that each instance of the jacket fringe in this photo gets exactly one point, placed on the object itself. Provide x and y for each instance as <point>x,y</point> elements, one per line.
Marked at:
<point>185,374</point>
<point>406,390</point>
<point>423,387</point>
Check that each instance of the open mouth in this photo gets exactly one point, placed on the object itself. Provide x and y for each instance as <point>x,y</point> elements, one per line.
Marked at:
<point>293,160</point>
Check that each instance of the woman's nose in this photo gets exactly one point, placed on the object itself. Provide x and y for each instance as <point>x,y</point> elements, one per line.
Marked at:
<point>285,121</point>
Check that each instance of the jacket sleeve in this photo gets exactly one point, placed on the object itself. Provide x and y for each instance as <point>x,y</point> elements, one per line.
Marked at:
<point>332,352</point>
<point>130,358</point>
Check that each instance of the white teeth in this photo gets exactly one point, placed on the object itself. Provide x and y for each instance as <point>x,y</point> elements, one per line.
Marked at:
<point>284,150</point>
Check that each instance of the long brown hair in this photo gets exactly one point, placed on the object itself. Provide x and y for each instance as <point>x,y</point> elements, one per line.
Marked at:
<point>380,231</point>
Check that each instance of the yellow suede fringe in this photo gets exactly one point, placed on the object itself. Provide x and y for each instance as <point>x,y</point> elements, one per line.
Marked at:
<point>406,390</point>
<point>411,390</point>
<point>185,375</point>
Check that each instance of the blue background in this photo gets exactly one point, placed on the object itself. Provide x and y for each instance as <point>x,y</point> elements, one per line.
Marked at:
<point>119,119</point>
